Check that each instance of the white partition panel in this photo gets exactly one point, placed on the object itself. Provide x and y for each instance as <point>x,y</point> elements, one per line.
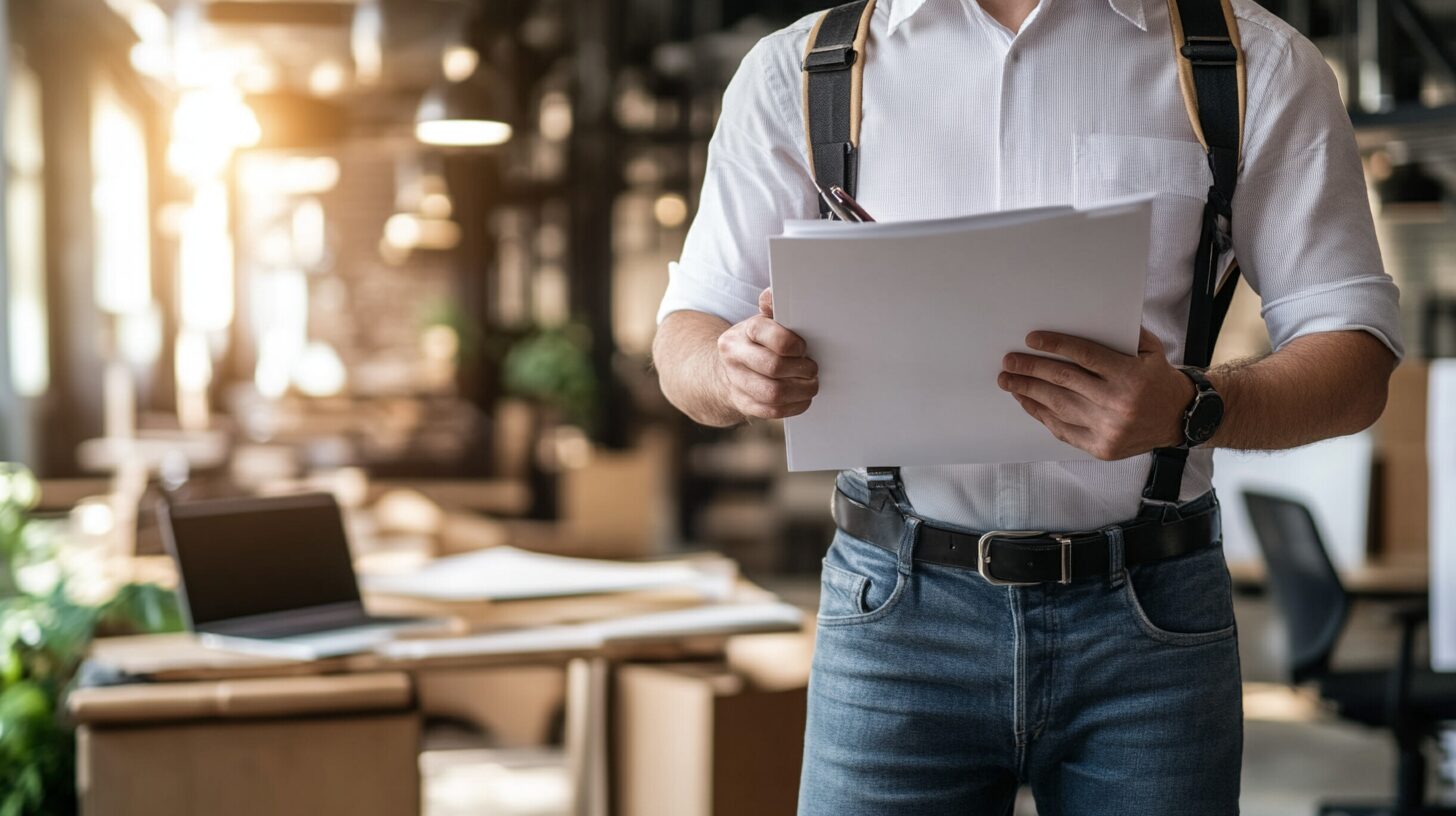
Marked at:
<point>1332,478</point>
<point>1441,450</point>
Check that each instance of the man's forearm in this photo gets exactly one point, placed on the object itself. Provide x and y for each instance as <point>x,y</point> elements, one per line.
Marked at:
<point>685,353</point>
<point>1316,387</point>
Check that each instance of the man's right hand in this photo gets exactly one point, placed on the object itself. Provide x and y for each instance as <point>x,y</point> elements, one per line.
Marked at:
<point>765,368</point>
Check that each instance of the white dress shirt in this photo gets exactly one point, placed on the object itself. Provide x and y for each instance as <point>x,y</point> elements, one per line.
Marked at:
<point>960,115</point>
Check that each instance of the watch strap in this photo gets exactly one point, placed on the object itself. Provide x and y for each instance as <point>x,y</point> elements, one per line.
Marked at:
<point>1200,379</point>
<point>1203,387</point>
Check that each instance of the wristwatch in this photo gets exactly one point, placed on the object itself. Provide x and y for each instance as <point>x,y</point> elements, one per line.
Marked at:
<point>1204,413</point>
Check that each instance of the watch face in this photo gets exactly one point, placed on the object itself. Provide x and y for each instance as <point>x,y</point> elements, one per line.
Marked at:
<point>1204,418</point>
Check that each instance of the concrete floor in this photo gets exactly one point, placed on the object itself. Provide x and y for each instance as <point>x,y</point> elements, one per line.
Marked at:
<point>1296,754</point>
<point>1294,758</point>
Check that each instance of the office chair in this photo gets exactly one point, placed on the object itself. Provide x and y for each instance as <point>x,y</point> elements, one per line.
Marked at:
<point>1314,605</point>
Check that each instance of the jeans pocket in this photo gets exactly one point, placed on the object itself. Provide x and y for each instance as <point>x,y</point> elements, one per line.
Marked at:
<point>859,582</point>
<point>1183,601</point>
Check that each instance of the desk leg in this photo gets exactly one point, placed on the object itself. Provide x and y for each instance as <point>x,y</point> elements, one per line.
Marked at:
<point>586,734</point>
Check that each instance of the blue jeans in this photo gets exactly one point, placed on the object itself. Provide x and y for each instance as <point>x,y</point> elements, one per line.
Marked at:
<point>934,692</point>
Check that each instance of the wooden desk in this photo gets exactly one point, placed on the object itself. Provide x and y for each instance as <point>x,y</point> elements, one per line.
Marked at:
<point>180,657</point>
<point>1392,580</point>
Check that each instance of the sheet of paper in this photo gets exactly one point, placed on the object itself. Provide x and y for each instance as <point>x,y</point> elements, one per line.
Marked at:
<point>703,620</point>
<point>516,641</point>
<point>824,228</point>
<point>506,573</point>
<point>909,323</point>
<point>712,619</point>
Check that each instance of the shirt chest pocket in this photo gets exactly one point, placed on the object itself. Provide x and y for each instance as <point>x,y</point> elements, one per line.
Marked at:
<point>1109,166</point>
<point>1176,172</point>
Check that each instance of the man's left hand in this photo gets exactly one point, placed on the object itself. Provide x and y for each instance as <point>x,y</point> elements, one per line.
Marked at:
<point>1108,404</point>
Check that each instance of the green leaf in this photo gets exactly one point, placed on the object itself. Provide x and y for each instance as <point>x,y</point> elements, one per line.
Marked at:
<point>31,784</point>
<point>11,666</point>
<point>25,716</point>
<point>141,608</point>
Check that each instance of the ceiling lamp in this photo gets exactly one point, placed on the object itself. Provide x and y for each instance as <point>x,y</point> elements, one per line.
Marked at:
<point>458,62</point>
<point>411,231</point>
<point>472,113</point>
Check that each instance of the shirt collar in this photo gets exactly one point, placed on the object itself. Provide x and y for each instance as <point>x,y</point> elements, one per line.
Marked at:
<point>1131,11</point>
<point>902,10</point>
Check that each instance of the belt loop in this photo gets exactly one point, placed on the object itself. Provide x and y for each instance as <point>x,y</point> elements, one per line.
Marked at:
<point>1116,569</point>
<point>905,557</point>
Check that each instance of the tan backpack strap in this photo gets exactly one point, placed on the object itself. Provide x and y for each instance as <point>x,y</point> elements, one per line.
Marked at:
<point>833,83</point>
<point>1206,40</point>
<point>856,74</point>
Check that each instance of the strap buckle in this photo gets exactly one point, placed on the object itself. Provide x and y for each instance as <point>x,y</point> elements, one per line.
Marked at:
<point>1066,550</point>
<point>1160,511</point>
<point>882,478</point>
<point>1216,216</point>
<point>830,58</point>
<point>1209,51</point>
<point>983,555</point>
<point>1223,235</point>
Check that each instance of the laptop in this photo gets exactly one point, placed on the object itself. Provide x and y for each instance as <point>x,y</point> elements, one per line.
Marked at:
<point>273,576</point>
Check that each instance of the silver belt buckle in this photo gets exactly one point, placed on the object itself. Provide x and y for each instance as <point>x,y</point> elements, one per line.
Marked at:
<point>983,555</point>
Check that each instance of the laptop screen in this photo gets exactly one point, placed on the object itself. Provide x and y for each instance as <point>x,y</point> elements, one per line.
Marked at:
<point>245,557</point>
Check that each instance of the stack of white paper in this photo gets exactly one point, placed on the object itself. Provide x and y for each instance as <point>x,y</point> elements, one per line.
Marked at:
<point>506,573</point>
<point>909,323</point>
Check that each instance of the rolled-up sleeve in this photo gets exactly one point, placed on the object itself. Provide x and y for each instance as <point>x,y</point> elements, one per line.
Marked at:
<point>1303,233</point>
<point>756,178</point>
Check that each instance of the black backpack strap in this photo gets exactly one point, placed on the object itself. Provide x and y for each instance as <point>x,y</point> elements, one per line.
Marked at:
<point>833,71</point>
<point>886,488</point>
<point>1211,77</point>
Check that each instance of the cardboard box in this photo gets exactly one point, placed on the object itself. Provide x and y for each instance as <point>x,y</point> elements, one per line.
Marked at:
<point>1404,420</point>
<point>516,706</point>
<point>1404,512</point>
<point>616,504</point>
<point>702,739</point>
<point>1401,517</point>
<point>281,746</point>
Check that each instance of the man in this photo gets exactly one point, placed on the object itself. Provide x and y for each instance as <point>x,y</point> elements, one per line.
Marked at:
<point>934,690</point>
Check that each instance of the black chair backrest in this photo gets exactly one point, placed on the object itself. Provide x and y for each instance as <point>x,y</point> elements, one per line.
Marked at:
<point>1306,587</point>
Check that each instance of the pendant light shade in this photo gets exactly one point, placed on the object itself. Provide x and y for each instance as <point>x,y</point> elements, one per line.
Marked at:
<point>475,112</point>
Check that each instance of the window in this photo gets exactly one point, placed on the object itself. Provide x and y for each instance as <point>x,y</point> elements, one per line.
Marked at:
<point>25,233</point>
<point>120,204</point>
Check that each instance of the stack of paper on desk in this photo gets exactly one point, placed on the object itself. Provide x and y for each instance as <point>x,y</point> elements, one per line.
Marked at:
<point>909,323</point>
<point>509,574</point>
<point>728,618</point>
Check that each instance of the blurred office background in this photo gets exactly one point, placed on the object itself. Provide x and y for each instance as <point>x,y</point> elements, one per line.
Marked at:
<point>410,252</point>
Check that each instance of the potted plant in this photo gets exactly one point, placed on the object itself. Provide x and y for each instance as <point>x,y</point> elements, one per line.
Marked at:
<point>550,369</point>
<point>44,635</point>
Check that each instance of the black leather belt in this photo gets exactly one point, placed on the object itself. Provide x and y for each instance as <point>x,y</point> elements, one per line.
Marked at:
<point>1030,556</point>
